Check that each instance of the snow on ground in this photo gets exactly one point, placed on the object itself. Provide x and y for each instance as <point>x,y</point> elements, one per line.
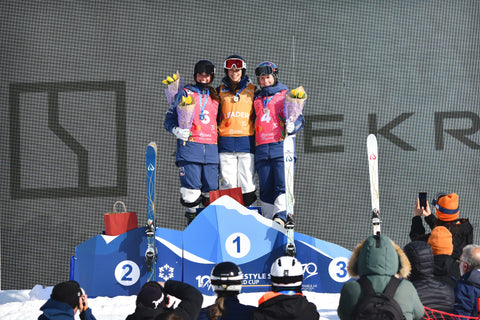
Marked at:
<point>25,304</point>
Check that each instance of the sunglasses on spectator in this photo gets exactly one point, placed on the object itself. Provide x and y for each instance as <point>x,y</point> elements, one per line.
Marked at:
<point>237,63</point>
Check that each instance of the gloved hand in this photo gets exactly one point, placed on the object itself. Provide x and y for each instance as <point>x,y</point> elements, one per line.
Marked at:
<point>181,134</point>
<point>290,126</point>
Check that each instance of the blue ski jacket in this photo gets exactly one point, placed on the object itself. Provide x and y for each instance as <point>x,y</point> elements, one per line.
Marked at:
<point>189,151</point>
<point>467,291</point>
<point>56,310</point>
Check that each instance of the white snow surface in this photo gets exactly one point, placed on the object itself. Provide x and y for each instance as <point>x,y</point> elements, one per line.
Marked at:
<point>25,304</point>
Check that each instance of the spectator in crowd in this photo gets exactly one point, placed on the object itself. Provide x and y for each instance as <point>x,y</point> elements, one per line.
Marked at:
<point>170,315</point>
<point>191,301</point>
<point>447,215</point>
<point>378,259</point>
<point>271,129</point>
<point>152,301</point>
<point>432,292</point>
<point>66,300</point>
<point>226,279</point>
<point>446,268</point>
<point>467,290</point>
<point>286,300</point>
<point>236,129</point>
<point>195,127</point>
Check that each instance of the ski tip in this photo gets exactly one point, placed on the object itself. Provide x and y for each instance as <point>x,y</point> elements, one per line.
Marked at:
<point>372,143</point>
<point>153,145</point>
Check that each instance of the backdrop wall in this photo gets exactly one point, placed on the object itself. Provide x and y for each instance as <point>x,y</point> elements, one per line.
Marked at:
<point>81,97</point>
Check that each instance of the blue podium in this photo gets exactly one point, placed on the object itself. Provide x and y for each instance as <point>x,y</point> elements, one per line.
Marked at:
<point>224,231</point>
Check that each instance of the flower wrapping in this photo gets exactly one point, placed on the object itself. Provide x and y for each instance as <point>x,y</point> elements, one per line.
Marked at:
<point>293,106</point>
<point>185,112</point>
<point>172,88</point>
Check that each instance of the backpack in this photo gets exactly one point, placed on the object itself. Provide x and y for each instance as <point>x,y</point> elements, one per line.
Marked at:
<point>375,305</point>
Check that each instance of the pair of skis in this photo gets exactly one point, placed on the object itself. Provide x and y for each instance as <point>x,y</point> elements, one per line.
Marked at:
<point>289,161</point>
<point>151,159</point>
<point>288,157</point>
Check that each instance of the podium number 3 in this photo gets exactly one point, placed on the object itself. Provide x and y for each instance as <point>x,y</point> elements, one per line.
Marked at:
<point>337,269</point>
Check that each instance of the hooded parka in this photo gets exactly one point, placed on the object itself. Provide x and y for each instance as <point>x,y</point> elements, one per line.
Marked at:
<point>379,258</point>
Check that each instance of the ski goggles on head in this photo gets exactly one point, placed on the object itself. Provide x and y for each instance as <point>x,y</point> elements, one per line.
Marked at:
<point>265,69</point>
<point>437,197</point>
<point>237,63</point>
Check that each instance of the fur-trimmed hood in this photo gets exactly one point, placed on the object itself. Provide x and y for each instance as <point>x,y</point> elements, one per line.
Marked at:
<point>378,256</point>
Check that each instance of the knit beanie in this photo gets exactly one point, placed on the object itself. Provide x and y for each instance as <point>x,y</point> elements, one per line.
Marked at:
<point>447,207</point>
<point>441,241</point>
<point>151,296</point>
<point>68,292</point>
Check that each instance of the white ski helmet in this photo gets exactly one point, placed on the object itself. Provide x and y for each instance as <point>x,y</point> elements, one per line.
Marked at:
<point>226,276</point>
<point>286,271</point>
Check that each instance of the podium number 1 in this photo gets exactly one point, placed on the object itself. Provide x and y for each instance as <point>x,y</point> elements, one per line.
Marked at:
<point>237,240</point>
<point>237,245</point>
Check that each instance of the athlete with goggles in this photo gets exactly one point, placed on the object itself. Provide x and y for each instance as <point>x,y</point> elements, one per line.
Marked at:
<point>269,135</point>
<point>236,128</point>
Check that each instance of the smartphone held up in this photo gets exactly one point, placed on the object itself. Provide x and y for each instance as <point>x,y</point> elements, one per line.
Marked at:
<point>422,196</point>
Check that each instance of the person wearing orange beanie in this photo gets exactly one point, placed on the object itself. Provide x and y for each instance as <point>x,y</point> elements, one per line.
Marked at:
<point>447,215</point>
<point>447,207</point>
<point>445,267</point>
<point>441,241</point>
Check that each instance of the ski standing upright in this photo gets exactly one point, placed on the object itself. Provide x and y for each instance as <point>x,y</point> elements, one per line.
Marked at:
<point>294,102</point>
<point>151,252</point>
<point>372,150</point>
<point>289,161</point>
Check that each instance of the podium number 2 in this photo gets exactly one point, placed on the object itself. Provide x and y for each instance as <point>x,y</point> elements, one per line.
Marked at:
<point>237,245</point>
<point>128,268</point>
<point>127,273</point>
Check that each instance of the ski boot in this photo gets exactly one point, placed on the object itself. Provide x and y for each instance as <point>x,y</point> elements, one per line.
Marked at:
<point>279,221</point>
<point>290,249</point>
<point>190,216</point>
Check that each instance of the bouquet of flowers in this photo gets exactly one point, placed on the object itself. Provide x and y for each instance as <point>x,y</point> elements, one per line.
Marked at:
<point>185,111</point>
<point>174,83</point>
<point>294,102</point>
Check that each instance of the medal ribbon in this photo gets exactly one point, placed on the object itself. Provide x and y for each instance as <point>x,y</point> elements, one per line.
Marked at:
<point>265,102</point>
<point>202,105</point>
<point>239,91</point>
